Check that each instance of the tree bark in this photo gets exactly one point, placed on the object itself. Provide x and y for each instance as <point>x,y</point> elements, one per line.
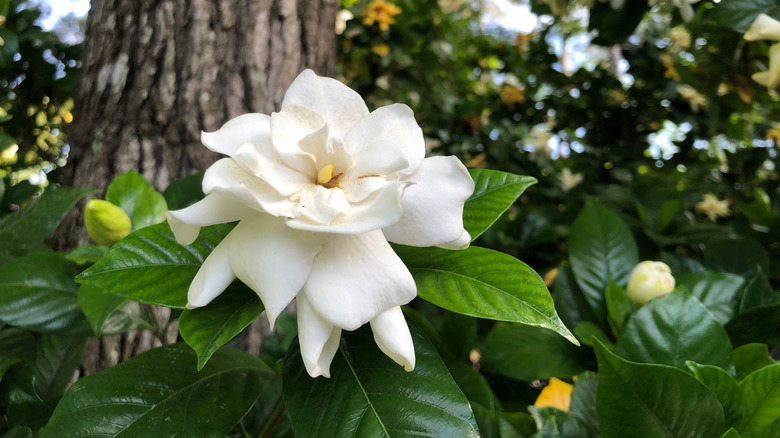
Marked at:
<point>157,72</point>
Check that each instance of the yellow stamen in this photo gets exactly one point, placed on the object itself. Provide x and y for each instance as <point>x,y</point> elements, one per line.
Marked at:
<point>325,174</point>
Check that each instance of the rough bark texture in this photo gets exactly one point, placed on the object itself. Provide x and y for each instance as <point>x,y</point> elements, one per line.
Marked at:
<point>157,72</point>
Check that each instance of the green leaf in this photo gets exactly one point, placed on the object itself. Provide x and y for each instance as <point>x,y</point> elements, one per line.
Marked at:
<point>736,254</point>
<point>59,356</point>
<point>666,214</point>
<point>208,328</point>
<point>554,423</point>
<point>39,299</point>
<point>761,403</point>
<point>653,401</point>
<point>183,193</point>
<point>672,330</point>
<point>738,15</point>
<point>159,393</point>
<point>24,231</point>
<point>142,203</point>
<point>614,27</point>
<point>756,325</point>
<point>570,301</point>
<point>16,345</point>
<point>110,314</point>
<point>601,249</point>
<point>87,254</point>
<point>370,395</point>
<point>474,386</point>
<point>151,267</point>
<point>718,291</point>
<point>619,307</point>
<point>750,358</point>
<point>758,292</point>
<point>494,193</point>
<point>731,433</point>
<point>583,399</point>
<point>681,265</point>
<point>483,283</point>
<point>530,353</point>
<point>19,432</point>
<point>723,385</point>
<point>586,331</point>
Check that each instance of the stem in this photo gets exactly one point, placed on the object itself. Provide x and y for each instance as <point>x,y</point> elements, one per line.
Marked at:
<point>273,420</point>
<point>243,428</point>
<point>157,328</point>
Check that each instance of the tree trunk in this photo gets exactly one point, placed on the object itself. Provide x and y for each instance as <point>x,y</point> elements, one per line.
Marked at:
<point>157,72</point>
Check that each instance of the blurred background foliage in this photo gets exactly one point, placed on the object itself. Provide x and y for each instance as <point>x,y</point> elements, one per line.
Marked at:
<point>621,100</point>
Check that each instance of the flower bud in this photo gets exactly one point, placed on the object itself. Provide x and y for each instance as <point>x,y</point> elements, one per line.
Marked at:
<point>106,223</point>
<point>649,280</point>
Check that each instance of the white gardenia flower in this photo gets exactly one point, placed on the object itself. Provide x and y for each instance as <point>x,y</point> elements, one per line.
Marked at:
<point>765,27</point>
<point>712,207</point>
<point>319,189</point>
<point>686,10</point>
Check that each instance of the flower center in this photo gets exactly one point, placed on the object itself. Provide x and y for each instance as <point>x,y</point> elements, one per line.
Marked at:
<point>326,178</point>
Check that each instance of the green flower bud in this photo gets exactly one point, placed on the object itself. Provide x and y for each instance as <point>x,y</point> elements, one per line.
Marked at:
<point>649,280</point>
<point>106,223</point>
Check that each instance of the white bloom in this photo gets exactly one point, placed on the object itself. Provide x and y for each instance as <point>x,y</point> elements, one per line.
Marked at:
<point>569,180</point>
<point>686,10</point>
<point>319,189</point>
<point>649,280</point>
<point>712,207</point>
<point>539,138</point>
<point>765,27</point>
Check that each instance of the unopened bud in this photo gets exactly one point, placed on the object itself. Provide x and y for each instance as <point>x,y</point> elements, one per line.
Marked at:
<point>650,280</point>
<point>106,223</point>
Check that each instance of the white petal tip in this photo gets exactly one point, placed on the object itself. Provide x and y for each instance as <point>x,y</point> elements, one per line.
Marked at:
<point>461,242</point>
<point>190,306</point>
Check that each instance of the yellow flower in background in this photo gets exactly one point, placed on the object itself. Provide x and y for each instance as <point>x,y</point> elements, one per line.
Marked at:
<point>774,134</point>
<point>10,153</point>
<point>550,276</point>
<point>680,37</point>
<point>694,98</point>
<point>712,207</point>
<point>671,71</point>
<point>511,96</point>
<point>380,49</point>
<point>381,13</point>
<point>555,395</point>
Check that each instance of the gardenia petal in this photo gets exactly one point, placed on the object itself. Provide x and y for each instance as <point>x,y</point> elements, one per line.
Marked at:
<point>391,334</point>
<point>771,77</point>
<point>389,140</point>
<point>251,127</point>
<point>318,338</point>
<point>433,204</point>
<point>263,162</point>
<point>339,105</point>
<point>763,27</point>
<point>273,259</point>
<point>321,205</point>
<point>356,277</point>
<point>213,209</point>
<point>380,209</point>
<point>288,127</point>
<point>461,242</point>
<point>226,177</point>
<point>213,276</point>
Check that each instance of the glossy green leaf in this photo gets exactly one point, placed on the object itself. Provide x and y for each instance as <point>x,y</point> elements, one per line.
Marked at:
<point>755,325</point>
<point>750,358</point>
<point>24,231</point>
<point>583,399</point>
<point>185,192</point>
<point>111,314</point>
<point>483,283</point>
<point>39,299</point>
<point>87,254</point>
<point>208,328</point>
<point>673,329</point>
<point>758,292</point>
<point>761,403</point>
<point>601,249</point>
<point>494,193</point>
<point>663,400</point>
<point>151,267</point>
<point>731,433</point>
<point>554,423</point>
<point>142,203</point>
<point>530,353</point>
<point>738,15</point>
<point>474,386</point>
<point>681,265</point>
<point>159,393</point>
<point>570,301</point>
<point>723,385</point>
<point>370,395</point>
<point>587,331</point>
<point>666,214</point>
<point>718,291</point>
